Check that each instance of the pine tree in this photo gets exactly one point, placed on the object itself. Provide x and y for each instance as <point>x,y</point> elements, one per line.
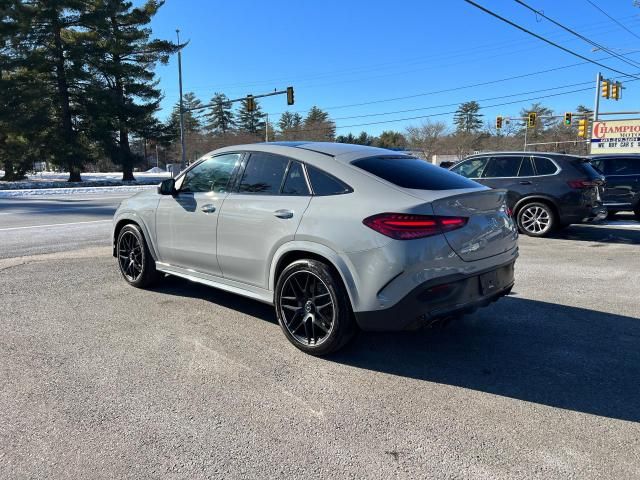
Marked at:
<point>50,41</point>
<point>468,118</point>
<point>122,59</point>
<point>318,126</point>
<point>251,122</point>
<point>193,119</point>
<point>220,118</point>
<point>290,125</point>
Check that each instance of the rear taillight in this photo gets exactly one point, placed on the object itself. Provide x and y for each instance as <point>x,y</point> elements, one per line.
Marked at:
<point>579,184</point>
<point>407,227</point>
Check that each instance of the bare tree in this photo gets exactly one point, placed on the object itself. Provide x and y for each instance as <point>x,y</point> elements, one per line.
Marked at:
<point>427,138</point>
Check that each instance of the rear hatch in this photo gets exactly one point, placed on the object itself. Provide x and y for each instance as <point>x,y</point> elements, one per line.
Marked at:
<point>593,186</point>
<point>489,230</point>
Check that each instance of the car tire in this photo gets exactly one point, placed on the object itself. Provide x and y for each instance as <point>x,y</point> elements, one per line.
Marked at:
<point>536,219</point>
<point>313,307</point>
<point>134,259</point>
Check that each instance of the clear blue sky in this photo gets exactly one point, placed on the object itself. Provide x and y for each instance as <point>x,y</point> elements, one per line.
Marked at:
<point>338,53</point>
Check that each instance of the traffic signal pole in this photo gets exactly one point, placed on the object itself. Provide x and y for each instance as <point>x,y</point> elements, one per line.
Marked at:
<point>183,160</point>
<point>596,105</point>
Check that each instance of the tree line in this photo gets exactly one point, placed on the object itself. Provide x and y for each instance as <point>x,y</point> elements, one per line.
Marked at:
<point>78,90</point>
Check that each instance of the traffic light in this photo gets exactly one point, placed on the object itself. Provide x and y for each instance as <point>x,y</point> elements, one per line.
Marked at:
<point>582,128</point>
<point>498,122</point>
<point>616,90</point>
<point>567,118</point>
<point>531,123</point>
<point>289,95</point>
<point>606,88</point>
<point>251,103</point>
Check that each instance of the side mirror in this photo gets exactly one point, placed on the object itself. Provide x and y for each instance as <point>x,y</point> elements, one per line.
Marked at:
<point>167,187</point>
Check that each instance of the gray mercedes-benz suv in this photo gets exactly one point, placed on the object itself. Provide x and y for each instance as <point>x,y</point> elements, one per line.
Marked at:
<point>335,236</point>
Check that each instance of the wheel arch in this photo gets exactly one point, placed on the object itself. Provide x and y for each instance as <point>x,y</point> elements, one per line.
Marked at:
<point>539,199</point>
<point>300,250</point>
<point>134,219</point>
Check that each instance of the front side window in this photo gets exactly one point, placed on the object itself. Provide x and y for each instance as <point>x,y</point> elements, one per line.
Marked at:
<point>503,166</point>
<point>471,168</point>
<point>211,175</point>
<point>544,166</point>
<point>263,174</point>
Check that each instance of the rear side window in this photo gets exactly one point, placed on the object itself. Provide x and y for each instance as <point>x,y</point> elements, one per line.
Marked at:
<point>544,166</point>
<point>413,173</point>
<point>263,174</point>
<point>526,168</point>
<point>622,166</point>
<point>325,184</point>
<point>295,183</point>
<point>503,166</point>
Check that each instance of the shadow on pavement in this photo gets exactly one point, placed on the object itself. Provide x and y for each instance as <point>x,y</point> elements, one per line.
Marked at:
<point>608,233</point>
<point>565,357</point>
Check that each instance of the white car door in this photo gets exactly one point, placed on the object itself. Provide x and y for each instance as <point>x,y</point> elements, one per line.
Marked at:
<point>263,214</point>
<point>187,222</point>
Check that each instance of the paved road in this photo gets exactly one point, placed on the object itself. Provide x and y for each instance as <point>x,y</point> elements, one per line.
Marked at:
<point>101,380</point>
<point>32,225</point>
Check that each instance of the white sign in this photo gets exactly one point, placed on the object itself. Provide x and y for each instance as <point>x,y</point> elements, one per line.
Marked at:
<point>615,136</point>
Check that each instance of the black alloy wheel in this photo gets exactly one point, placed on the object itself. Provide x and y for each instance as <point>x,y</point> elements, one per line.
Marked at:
<point>313,307</point>
<point>136,264</point>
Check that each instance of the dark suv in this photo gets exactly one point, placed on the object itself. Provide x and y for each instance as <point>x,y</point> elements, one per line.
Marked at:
<point>547,191</point>
<point>622,190</point>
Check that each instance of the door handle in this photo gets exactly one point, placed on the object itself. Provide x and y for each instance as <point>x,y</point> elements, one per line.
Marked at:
<point>208,208</point>
<point>525,182</point>
<point>283,213</point>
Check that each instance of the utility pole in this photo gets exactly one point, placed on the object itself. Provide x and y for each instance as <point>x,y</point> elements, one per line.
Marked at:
<point>157,158</point>
<point>266,130</point>
<point>183,160</point>
<point>596,105</point>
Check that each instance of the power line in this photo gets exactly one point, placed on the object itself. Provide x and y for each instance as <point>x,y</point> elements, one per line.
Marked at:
<point>540,37</point>
<point>612,19</point>
<point>580,36</point>
<point>458,103</point>
<point>439,114</point>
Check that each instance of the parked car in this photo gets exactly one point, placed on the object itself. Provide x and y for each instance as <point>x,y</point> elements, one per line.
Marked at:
<point>622,189</point>
<point>335,236</point>
<point>546,191</point>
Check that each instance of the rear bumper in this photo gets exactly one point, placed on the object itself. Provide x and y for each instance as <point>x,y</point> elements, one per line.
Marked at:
<point>594,214</point>
<point>440,298</point>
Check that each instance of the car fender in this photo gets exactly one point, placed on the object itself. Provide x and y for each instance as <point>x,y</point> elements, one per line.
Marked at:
<point>532,198</point>
<point>133,216</point>
<point>339,262</point>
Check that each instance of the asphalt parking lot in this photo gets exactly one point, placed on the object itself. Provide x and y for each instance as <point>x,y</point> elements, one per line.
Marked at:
<point>101,380</point>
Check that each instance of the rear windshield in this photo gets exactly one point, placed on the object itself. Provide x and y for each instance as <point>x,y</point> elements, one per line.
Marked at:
<point>587,167</point>
<point>414,173</point>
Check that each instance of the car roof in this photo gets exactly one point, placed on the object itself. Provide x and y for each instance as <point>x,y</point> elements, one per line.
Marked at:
<point>344,152</point>
<point>516,152</point>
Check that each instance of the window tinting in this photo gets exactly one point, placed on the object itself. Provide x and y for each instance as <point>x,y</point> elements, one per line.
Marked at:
<point>325,184</point>
<point>470,168</point>
<point>544,166</point>
<point>503,166</point>
<point>211,175</point>
<point>414,173</point>
<point>526,168</point>
<point>295,183</point>
<point>622,166</point>
<point>263,174</point>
